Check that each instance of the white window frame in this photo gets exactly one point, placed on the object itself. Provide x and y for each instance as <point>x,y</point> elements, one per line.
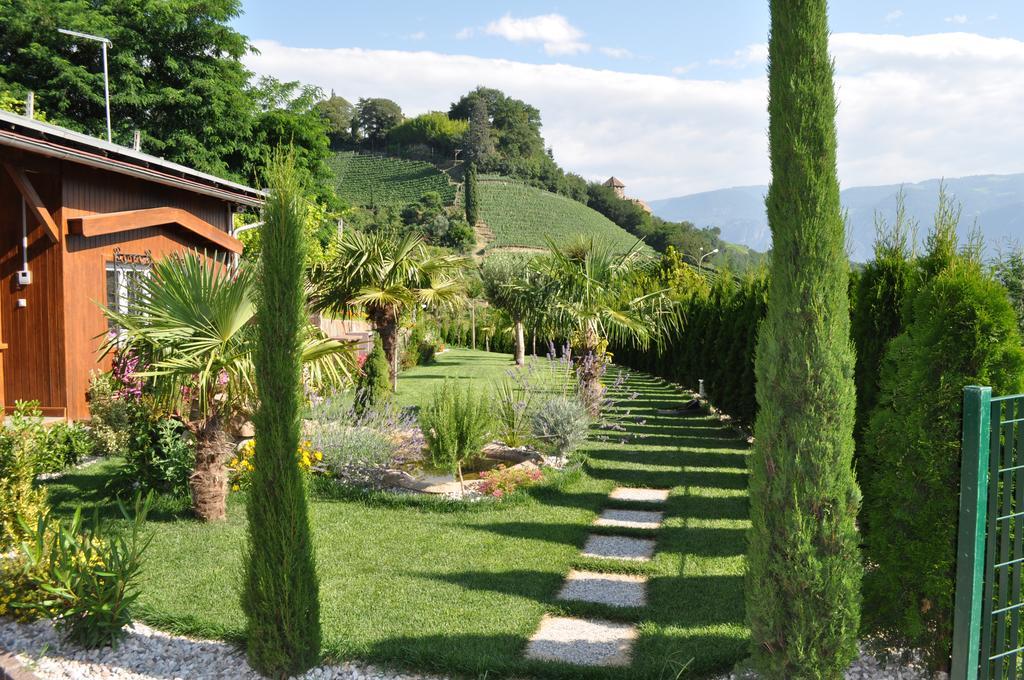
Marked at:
<point>121,271</point>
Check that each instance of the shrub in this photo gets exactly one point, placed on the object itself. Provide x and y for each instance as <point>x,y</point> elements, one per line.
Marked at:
<point>119,420</point>
<point>87,574</point>
<point>456,424</point>
<point>67,444</point>
<point>19,584</point>
<point>962,331</point>
<point>513,408</point>
<point>355,455</point>
<point>242,464</point>
<point>560,425</point>
<point>160,457</point>
<point>374,386</point>
<point>502,481</point>
<point>19,451</point>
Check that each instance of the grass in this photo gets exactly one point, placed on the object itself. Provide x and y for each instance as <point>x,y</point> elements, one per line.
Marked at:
<point>439,586</point>
<point>367,180</point>
<point>522,216</point>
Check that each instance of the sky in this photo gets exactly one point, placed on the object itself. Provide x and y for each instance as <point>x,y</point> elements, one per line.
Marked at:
<point>670,96</point>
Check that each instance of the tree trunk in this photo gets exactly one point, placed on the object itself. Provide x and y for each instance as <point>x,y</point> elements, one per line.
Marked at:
<point>534,342</point>
<point>386,323</point>
<point>209,480</point>
<point>472,317</point>
<point>591,369</point>
<point>520,344</point>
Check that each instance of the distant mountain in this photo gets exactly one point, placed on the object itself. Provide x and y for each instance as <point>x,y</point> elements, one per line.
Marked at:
<point>995,202</point>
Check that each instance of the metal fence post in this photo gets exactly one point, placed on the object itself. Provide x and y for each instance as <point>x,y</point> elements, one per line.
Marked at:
<point>970,548</point>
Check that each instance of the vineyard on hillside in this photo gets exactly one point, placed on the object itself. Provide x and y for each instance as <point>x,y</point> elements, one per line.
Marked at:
<point>522,216</point>
<point>362,179</point>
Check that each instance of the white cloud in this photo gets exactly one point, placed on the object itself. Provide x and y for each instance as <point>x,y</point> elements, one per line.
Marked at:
<point>751,54</point>
<point>894,15</point>
<point>910,108</point>
<point>553,30</point>
<point>685,68</point>
<point>465,33</point>
<point>616,52</point>
<point>418,35</point>
<point>960,19</point>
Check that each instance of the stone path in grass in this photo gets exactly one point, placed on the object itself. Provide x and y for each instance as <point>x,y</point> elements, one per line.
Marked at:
<point>597,642</point>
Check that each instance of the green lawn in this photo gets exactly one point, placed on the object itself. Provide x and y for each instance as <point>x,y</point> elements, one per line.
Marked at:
<point>438,586</point>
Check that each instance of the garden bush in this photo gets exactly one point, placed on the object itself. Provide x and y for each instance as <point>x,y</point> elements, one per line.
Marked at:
<point>503,481</point>
<point>118,419</point>
<point>66,445</point>
<point>513,410</point>
<point>242,464</point>
<point>88,575</point>
<point>962,331</point>
<point>560,425</point>
<point>373,388</point>
<point>160,456</point>
<point>20,443</point>
<point>456,424</point>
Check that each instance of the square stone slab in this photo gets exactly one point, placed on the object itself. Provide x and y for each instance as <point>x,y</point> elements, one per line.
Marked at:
<point>634,519</point>
<point>619,548</point>
<point>625,493</point>
<point>617,590</point>
<point>583,642</point>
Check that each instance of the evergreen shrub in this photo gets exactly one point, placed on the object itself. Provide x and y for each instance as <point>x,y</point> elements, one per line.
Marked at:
<point>373,387</point>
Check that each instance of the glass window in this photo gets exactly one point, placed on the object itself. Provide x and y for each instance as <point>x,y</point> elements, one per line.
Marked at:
<point>124,287</point>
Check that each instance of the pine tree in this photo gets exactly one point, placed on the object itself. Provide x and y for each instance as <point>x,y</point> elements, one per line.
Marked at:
<point>281,590</point>
<point>804,566</point>
<point>374,385</point>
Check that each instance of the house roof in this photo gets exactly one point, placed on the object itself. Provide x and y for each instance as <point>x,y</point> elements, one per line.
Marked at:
<point>42,138</point>
<point>614,182</point>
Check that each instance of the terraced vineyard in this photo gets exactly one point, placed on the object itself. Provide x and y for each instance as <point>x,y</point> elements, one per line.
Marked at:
<point>362,179</point>
<point>521,217</point>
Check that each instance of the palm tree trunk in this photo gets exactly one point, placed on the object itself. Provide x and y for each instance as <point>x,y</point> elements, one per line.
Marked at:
<point>386,323</point>
<point>590,370</point>
<point>520,344</point>
<point>209,480</point>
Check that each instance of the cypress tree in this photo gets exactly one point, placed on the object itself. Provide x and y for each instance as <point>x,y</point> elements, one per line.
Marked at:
<point>374,385</point>
<point>804,566</point>
<point>472,200</point>
<point>281,592</point>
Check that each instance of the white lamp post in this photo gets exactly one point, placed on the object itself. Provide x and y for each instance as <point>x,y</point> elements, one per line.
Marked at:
<point>104,42</point>
<point>703,257</point>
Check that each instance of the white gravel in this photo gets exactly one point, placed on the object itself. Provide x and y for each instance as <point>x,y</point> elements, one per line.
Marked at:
<point>147,654</point>
<point>868,667</point>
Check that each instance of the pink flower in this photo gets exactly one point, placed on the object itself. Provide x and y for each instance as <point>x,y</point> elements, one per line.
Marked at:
<point>498,493</point>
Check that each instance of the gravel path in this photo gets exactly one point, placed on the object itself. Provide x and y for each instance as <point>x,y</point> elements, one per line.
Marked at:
<point>867,667</point>
<point>147,654</point>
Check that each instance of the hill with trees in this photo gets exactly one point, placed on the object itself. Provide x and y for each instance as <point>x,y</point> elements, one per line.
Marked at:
<point>372,180</point>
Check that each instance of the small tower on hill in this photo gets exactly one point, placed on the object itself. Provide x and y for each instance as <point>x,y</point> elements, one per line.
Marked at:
<point>617,186</point>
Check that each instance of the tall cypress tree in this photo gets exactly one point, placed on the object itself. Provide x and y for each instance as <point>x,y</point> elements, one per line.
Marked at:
<point>472,199</point>
<point>804,566</point>
<point>281,591</point>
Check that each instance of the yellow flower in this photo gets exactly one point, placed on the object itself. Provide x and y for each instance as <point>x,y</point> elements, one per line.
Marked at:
<point>235,487</point>
<point>318,455</point>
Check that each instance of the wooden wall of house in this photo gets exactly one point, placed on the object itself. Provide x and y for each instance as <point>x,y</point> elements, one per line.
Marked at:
<point>88,191</point>
<point>33,363</point>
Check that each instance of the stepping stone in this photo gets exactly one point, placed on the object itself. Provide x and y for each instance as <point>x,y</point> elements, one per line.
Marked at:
<point>617,590</point>
<point>619,548</point>
<point>634,519</point>
<point>626,493</point>
<point>583,642</point>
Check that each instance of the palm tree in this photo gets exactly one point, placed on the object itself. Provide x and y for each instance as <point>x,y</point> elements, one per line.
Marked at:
<point>512,286</point>
<point>191,324</point>
<point>383,276</point>
<point>597,297</point>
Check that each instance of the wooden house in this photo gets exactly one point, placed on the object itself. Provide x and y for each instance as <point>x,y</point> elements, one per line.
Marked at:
<point>79,218</point>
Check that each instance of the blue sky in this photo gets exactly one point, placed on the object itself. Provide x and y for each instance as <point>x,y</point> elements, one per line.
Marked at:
<point>670,95</point>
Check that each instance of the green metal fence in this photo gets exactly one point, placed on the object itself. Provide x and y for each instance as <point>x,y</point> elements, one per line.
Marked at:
<point>988,638</point>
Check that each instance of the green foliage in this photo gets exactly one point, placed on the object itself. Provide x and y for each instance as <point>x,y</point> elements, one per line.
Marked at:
<point>374,118</point>
<point>560,425</point>
<point>877,315</point>
<point>471,196</point>
<point>523,216</point>
<point>67,444</point>
<point>281,592</point>
<point>513,411</point>
<point>962,323</point>
<point>367,180</point>
<point>337,113</point>
<point>434,130</point>
<point>804,567</point>
<point>20,446</point>
<point>373,388</point>
<point>88,575</point>
<point>1009,271</point>
<point>456,424</point>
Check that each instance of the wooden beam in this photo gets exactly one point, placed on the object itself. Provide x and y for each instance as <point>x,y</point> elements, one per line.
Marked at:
<point>126,220</point>
<point>28,192</point>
